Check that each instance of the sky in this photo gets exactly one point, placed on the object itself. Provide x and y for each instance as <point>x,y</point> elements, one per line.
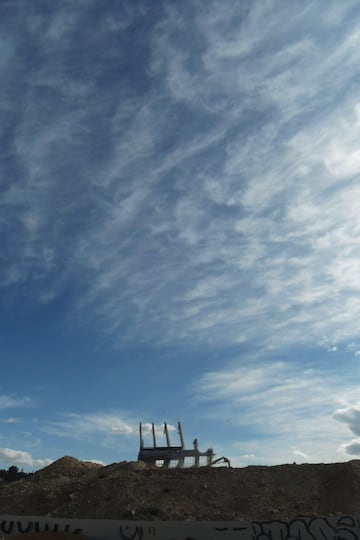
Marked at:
<point>179,228</point>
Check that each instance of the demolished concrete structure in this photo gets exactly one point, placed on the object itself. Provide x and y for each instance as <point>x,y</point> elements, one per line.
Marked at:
<point>175,456</point>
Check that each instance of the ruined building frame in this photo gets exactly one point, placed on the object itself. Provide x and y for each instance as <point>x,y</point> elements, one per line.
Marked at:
<point>175,455</point>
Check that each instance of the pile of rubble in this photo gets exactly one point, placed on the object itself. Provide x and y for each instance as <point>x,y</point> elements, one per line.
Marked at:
<point>133,490</point>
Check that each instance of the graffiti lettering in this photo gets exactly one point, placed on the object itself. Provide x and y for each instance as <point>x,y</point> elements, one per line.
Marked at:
<point>9,528</point>
<point>24,527</point>
<point>27,529</point>
<point>345,528</point>
<point>131,533</point>
<point>46,527</point>
<point>304,528</point>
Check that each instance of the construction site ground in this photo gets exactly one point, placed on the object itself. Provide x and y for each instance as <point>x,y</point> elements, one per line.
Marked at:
<point>132,490</point>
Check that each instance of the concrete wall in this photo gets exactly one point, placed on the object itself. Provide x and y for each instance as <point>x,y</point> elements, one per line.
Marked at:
<point>333,528</point>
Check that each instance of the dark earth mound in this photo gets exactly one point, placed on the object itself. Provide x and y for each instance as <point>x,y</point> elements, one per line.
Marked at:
<point>132,490</point>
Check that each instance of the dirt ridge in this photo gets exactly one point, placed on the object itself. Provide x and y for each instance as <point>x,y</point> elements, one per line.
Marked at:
<point>130,490</point>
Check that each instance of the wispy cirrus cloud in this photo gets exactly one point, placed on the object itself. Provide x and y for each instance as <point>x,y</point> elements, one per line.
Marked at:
<point>13,402</point>
<point>255,244</point>
<point>89,425</point>
<point>216,200</point>
<point>94,425</point>
<point>283,411</point>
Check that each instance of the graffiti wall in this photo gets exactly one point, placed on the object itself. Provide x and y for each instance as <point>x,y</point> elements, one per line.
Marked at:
<point>334,528</point>
<point>339,528</point>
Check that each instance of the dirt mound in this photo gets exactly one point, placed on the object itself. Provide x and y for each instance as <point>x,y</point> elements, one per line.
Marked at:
<point>66,466</point>
<point>75,489</point>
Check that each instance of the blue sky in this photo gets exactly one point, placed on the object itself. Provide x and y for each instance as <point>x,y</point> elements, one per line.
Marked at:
<point>179,225</point>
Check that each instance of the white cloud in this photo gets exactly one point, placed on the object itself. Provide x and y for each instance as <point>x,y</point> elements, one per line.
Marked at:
<point>122,429</point>
<point>351,448</point>
<point>159,433</point>
<point>354,348</point>
<point>21,458</point>
<point>159,428</point>
<point>97,461</point>
<point>350,416</point>
<point>10,420</point>
<point>230,218</point>
<point>300,454</point>
<point>284,410</point>
<point>12,402</point>
<point>103,429</point>
<point>89,425</point>
<point>208,197</point>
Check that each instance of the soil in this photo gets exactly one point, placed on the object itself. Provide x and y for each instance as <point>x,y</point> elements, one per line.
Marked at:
<point>133,490</point>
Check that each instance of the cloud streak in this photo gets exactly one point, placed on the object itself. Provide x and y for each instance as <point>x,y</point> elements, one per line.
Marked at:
<point>13,402</point>
<point>260,244</point>
<point>280,406</point>
<point>187,178</point>
<point>89,425</point>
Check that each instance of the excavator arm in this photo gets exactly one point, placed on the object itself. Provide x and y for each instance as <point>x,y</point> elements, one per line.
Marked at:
<point>221,459</point>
